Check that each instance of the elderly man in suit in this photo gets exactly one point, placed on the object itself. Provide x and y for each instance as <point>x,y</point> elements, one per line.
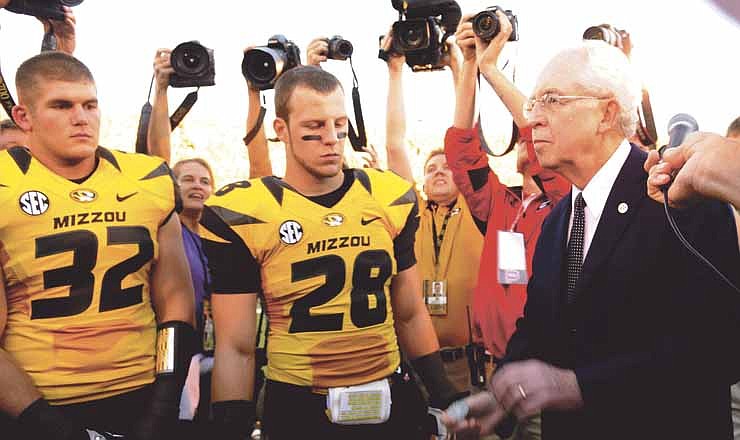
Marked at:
<point>625,335</point>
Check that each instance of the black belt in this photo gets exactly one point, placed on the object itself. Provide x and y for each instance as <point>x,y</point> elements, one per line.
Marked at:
<point>456,353</point>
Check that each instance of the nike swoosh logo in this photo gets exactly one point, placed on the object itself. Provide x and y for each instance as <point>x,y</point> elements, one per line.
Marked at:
<point>367,222</point>
<point>122,198</point>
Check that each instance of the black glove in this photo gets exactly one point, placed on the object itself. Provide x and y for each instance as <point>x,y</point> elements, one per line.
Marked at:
<point>234,419</point>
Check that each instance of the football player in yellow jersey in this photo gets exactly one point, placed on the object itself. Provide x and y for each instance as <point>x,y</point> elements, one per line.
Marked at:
<point>96,307</point>
<point>332,253</point>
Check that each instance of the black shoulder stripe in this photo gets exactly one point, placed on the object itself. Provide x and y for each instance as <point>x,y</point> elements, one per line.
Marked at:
<point>409,197</point>
<point>107,155</point>
<point>234,218</point>
<point>22,157</point>
<point>214,223</point>
<point>364,179</point>
<point>161,170</point>
<point>275,187</point>
<point>478,177</point>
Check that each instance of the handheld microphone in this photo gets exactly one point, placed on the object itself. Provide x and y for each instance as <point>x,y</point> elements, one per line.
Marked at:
<point>680,126</point>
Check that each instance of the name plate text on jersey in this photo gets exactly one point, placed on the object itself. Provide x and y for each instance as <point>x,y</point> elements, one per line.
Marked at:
<point>338,243</point>
<point>86,218</point>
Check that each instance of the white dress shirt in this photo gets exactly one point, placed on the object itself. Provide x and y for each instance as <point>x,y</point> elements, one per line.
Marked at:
<point>597,192</point>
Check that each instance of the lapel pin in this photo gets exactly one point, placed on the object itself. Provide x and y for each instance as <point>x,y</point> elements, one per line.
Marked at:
<point>622,208</point>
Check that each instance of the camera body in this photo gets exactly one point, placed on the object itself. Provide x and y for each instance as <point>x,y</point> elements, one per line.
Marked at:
<point>263,65</point>
<point>611,35</point>
<point>41,8</point>
<point>486,24</point>
<point>339,48</point>
<point>421,33</point>
<point>194,65</point>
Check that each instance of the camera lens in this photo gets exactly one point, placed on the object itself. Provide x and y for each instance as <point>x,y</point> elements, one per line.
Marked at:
<point>603,33</point>
<point>413,34</point>
<point>70,3</point>
<point>485,25</point>
<point>189,59</point>
<point>262,65</point>
<point>345,49</point>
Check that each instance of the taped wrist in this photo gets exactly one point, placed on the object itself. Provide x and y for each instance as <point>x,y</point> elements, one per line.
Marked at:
<point>42,421</point>
<point>234,419</point>
<point>432,373</point>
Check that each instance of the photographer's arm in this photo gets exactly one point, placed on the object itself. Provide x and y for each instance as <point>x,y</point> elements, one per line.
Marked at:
<point>258,152</point>
<point>395,118</point>
<point>487,54</point>
<point>158,137</point>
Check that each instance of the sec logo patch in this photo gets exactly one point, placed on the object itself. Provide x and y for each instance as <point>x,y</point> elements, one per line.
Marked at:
<point>291,232</point>
<point>34,202</point>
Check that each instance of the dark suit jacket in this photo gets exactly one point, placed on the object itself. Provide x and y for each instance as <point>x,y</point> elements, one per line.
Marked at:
<point>653,335</point>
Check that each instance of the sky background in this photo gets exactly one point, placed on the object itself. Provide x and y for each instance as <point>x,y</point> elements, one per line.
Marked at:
<point>685,52</point>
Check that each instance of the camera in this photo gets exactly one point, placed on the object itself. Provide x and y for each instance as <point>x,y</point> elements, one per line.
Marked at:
<point>339,48</point>
<point>421,32</point>
<point>263,65</point>
<point>616,37</point>
<point>486,24</point>
<point>193,64</point>
<point>41,8</point>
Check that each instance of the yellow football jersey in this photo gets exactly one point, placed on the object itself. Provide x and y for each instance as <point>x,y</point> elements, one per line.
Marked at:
<point>77,260</point>
<point>325,272</point>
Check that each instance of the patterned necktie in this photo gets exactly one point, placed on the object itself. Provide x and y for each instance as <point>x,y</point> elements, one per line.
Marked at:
<point>575,247</point>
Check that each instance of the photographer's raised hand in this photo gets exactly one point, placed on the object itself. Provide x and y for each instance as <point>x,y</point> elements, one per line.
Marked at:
<point>158,138</point>
<point>488,52</point>
<point>317,51</point>
<point>64,30</point>
<point>465,39</point>
<point>395,60</point>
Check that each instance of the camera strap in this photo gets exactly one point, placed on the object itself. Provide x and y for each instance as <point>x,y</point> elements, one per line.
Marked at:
<point>358,138</point>
<point>514,128</point>
<point>142,132</point>
<point>49,42</point>
<point>645,123</point>
<point>183,109</point>
<point>6,99</point>
<point>257,125</point>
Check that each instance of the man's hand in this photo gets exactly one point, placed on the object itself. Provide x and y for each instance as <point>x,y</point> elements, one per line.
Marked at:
<point>395,60</point>
<point>317,51</point>
<point>454,56</point>
<point>488,52</point>
<point>162,69</point>
<point>705,165</point>
<point>481,418</point>
<point>465,38</point>
<point>370,157</point>
<point>64,30</point>
<point>526,388</point>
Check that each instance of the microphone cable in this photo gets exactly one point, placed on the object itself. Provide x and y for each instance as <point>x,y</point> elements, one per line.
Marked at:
<point>688,246</point>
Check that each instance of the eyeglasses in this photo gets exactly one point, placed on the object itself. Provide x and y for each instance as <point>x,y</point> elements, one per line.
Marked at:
<point>551,100</point>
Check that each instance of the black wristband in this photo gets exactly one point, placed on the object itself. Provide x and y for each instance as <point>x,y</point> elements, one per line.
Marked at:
<point>42,421</point>
<point>234,419</point>
<point>163,407</point>
<point>432,372</point>
<point>383,55</point>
